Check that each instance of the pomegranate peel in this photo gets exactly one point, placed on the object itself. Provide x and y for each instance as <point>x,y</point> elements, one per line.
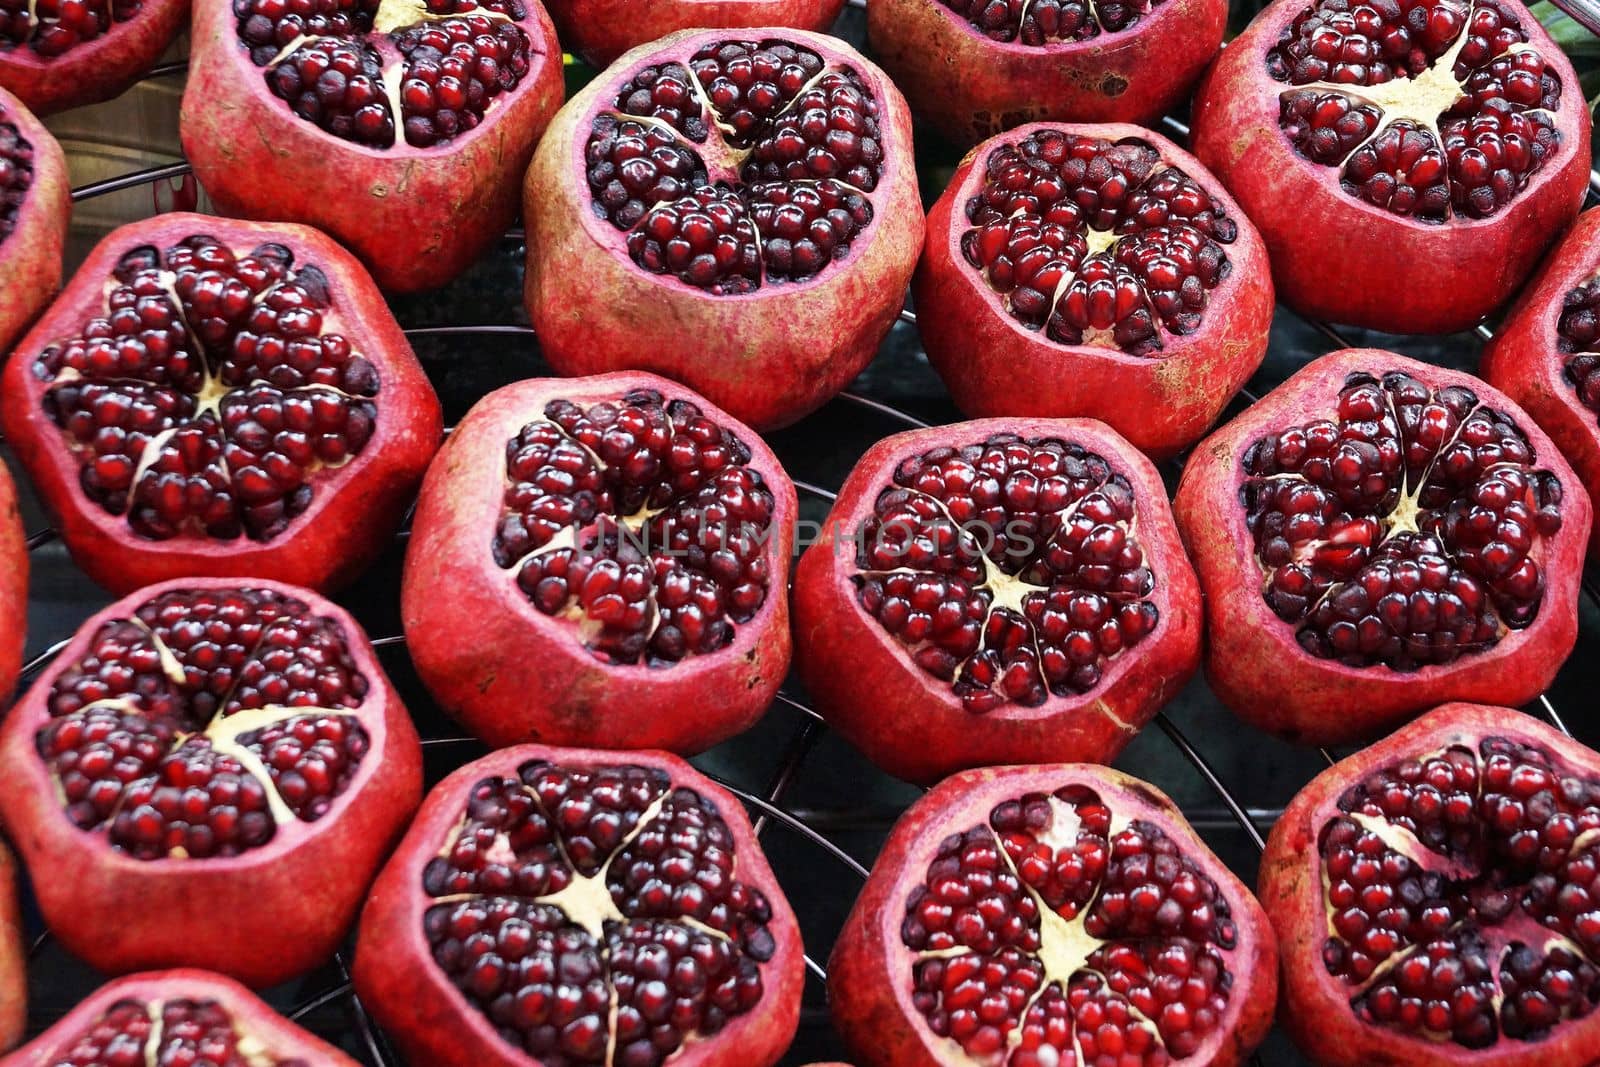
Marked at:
<point>601,30</point>
<point>932,691</point>
<point>35,203</point>
<point>1065,970</point>
<point>14,566</point>
<point>13,956</point>
<point>57,63</point>
<point>1350,533</point>
<point>197,756</point>
<point>581,852</point>
<point>1093,271</point>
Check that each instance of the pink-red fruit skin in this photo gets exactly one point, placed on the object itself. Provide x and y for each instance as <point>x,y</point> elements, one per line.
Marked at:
<point>766,357</point>
<point>257,1030</point>
<point>1335,256</point>
<point>1316,1005</point>
<point>96,70</point>
<point>970,87</point>
<point>355,507</point>
<point>870,982</point>
<point>1253,662</point>
<point>995,365</point>
<point>30,257</point>
<point>1526,362</point>
<point>909,722</point>
<point>512,674</point>
<point>263,915</point>
<point>412,997</point>
<point>13,586</point>
<point>13,956</point>
<point>601,30</point>
<point>417,217</point>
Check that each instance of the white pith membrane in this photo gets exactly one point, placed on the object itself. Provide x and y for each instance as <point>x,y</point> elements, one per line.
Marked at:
<point>1041,22</point>
<point>142,405</point>
<point>1009,633</point>
<point>1457,889</point>
<point>168,1032</point>
<point>39,23</point>
<point>543,965</point>
<point>1375,564</point>
<point>1088,979</point>
<point>1419,102</point>
<point>149,752</point>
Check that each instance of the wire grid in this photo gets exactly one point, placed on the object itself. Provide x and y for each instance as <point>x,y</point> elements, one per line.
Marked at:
<point>768,806</point>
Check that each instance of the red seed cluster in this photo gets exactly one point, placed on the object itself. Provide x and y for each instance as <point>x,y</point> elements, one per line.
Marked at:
<point>794,149</point>
<point>550,986</point>
<point>1402,531</point>
<point>1487,144</point>
<point>136,750</point>
<point>1031,225</point>
<point>1579,330</point>
<point>189,1033</point>
<point>16,175</point>
<point>449,68</point>
<point>975,930</point>
<point>1042,22</point>
<point>641,521</point>
<point>54,27</point>
<point>212,395</point>
<point>1479,916</point>
<point>957,523</point>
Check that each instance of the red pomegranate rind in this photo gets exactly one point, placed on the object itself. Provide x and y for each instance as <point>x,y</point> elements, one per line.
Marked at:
<point>13,586</point>
<point>1095,271</point>
<point>1544,355</point>
<point>601,30</point>
<point>58,54</point>
<point>415,167</point>
<point>678,651</point>
<point>1434,897</point>
<point>222,398</point>
<point>1340,601</point>
<point>994,592</point>
<point>200,755</point>
<point>755,248</point>
<point>1056,914</point>
<point>173,1019</point>
<point>479,945</point>
<point>974,69</point>
<point>13,956</point>
<point>35,203</point>
<point>1274,120</point>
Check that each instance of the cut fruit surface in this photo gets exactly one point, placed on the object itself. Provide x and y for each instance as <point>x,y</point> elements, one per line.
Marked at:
<point>60,54</point>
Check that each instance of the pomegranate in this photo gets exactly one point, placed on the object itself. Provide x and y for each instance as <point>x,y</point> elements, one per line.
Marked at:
<point>34,207</point>
<point>58,54</point>
<point>1407,162</point>
<point>1378,536</point>
<point>577,908</point>
<point>1033,916</point>
<point>998,591</point>
<point>1547,354</point>
<point>601,30</point>
<point>176,1019</point>
<point>13,957</point>
<point>601,561</point>
<point>1435,896</point>
<point>225,398</point>
<point>974,68</point>
<point>1093,270</point>
<point>199,758</point>
<point>13,587</point>
<point>400,127</point>
<point>736,210</point>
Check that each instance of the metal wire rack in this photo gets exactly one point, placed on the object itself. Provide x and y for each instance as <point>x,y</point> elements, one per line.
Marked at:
<point>771,804</point>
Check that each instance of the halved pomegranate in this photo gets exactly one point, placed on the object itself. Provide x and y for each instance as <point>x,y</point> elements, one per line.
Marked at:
<point>209,775</point>
<point>601,30</point>
<point>1096,271</point>
<point>13,587</point>
<point>999,591</point>
<point>1061,914</point>
<point>1437,897</point>
<point>580,908</point>
<point>224,398</point>
<point>13,956</point>
<point>601,561</point>
<point>398,126</point>
<point>1546,355</point>
<point>1378,536</point>
<point>56,54</point>
<point>975,68</point>
<point>182,1018</point>
<point>736,210</point>
<point>1407,161</point>
<point>35,204</point>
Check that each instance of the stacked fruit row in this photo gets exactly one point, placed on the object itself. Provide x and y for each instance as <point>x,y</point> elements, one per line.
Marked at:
<point>228,423</point>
